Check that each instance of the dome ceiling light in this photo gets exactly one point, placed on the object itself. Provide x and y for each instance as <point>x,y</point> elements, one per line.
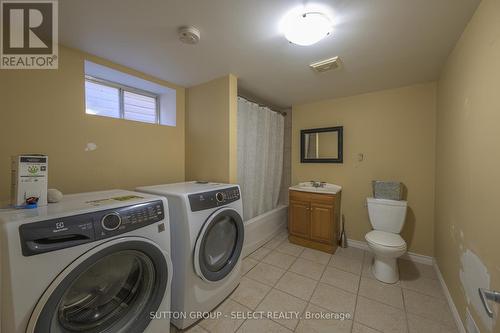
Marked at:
<point>306,27</point>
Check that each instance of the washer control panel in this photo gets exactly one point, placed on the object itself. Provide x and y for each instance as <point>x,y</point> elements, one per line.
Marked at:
<point>55,234</point>
<point>213,199</point>
<point>129,218</point>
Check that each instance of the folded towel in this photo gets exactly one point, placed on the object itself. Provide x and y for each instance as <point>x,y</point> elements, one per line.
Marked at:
<point>387,190</point>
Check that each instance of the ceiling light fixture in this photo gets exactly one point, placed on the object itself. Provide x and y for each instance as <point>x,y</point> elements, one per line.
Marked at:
<point>306,27</point>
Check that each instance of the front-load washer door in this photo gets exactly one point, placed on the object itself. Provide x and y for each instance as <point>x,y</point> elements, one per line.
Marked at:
<point>219,244</point>
<point>115,288</point>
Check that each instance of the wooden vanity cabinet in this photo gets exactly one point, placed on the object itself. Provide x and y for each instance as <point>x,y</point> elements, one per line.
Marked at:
<point>313,220</point>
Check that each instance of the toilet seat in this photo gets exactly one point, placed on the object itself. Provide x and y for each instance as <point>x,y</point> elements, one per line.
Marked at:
<point>385,239</point>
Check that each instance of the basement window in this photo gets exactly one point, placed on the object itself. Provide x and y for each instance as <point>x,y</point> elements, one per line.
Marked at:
<point>110,93</point>
<point>108,99</point>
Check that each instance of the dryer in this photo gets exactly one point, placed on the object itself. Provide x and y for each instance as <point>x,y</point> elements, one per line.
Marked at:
<point>94,262</point>
<point>207,239</point>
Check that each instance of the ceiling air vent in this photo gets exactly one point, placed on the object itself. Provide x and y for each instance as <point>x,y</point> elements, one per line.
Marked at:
<point>326,65</point>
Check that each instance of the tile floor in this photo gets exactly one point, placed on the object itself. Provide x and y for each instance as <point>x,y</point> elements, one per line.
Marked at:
<point>281,276</point>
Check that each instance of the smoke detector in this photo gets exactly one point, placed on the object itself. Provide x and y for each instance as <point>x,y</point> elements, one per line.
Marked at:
<point>189,35</point>
<point>326,65</point>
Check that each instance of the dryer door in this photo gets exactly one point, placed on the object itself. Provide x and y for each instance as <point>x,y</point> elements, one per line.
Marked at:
<point>219,244</point>
<point>112,288</point>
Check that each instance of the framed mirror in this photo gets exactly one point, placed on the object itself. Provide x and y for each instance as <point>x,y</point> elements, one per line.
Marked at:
<point>321,145</point>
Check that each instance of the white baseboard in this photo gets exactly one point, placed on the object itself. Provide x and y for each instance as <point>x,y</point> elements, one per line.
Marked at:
<point>420,258</point>
<point>415,257</point>
<point>451,304</point>
<point>358,244</point>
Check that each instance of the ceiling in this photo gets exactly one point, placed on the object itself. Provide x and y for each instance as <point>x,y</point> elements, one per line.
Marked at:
<point>382,43</point>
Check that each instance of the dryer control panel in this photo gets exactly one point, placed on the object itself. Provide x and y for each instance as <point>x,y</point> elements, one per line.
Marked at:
<point>213,199</point>
<point>56,234</point>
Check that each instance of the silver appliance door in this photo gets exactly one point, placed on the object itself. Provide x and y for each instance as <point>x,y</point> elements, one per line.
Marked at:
<point>219,244</point>
<point>112,288</point>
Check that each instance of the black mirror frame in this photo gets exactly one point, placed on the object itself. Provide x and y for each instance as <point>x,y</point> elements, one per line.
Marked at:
<point>340,157</point>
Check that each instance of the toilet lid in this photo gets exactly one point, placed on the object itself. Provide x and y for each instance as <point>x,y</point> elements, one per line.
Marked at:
<point>385,238</point>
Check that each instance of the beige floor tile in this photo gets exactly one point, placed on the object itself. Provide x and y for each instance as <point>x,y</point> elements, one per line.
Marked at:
<point>273,243</point>
<point>382,317</point>
<point>291,249</point>
<point>278,301</point>
<point>367,265</point>
<point>288,241</point>
<point>316,256</point>
<point>358,328</point>
<point>262,326</point>
<point>425,286</point>
<point>333,299</point>
<point>317,324</point>
<point>350,252</point>
<point>265,273</point>
<point>352,265</point>
<point>409,270</point>
<point>428,307</point>
<point>225,324</point>
<point>260,253</point>
<point>341,279</point>
<point>282,236</point>
<point>421,325</point>
<point>247,264</point>
<point>307,268</point>
<point>194,329</point>
<point>382,292</point>
<point>250,293</point>
<point>296,285</point>
<point>279,259</point>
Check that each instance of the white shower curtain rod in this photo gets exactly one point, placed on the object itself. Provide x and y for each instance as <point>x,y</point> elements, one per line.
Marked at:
<point>283,113</point>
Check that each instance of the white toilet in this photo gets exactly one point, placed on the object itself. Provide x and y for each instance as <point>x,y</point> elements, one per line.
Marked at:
<point>387,218</point>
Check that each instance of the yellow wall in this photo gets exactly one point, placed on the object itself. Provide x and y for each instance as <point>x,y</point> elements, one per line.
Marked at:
<point>211,111</point>
<point>394,129</point>
<point>468,155</point>
<point>233,129</point>
<point>43,111</point>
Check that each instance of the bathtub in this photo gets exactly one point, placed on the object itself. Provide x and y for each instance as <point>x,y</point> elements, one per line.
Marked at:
<point>262,228</point>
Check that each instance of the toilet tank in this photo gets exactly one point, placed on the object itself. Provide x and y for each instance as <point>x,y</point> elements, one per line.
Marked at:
<point>387,215</point>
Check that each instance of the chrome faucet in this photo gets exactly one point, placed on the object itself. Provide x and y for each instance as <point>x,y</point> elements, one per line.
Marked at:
<point>317,184</point>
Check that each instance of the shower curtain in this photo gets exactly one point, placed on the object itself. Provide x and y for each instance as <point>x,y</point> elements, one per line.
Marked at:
<point>260,157</point>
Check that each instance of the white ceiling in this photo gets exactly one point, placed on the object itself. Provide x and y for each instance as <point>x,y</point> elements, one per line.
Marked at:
<point>382,43</point>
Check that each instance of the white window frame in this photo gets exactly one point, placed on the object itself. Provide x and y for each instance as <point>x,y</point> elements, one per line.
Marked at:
<point>121,89</point>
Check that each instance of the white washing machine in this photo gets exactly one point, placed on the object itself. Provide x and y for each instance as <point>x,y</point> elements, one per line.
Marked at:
<point>207,238</point>
<point>94,262</point>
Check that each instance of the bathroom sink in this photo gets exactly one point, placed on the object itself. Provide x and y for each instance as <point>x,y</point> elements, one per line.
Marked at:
<point>324,188</point>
